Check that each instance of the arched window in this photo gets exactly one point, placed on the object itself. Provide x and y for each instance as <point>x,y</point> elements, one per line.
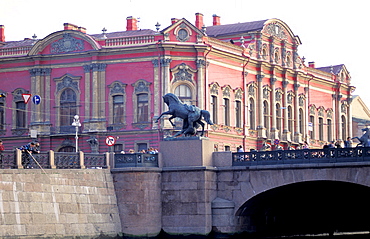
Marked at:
<point>290,119</point>
<point>67,149</point>
<point>344,127</point>
<point>68,109</point>
<point>266,117</point>
<point>117,104</point>
<point>141,103</point>
<point>301,121</point>
<point>184,94</point>
<point>238,114</point>
<point>278,118</point>
<point>252,116</point>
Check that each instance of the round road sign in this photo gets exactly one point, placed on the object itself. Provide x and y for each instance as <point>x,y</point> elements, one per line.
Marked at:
<point>110,140</point>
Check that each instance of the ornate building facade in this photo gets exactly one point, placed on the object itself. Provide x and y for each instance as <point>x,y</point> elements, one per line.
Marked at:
<point>249,76</point>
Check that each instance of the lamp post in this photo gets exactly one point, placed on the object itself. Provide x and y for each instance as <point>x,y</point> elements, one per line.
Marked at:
<point>76,123</point>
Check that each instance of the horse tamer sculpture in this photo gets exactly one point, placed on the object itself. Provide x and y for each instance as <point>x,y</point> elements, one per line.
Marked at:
<point>364,139</point>
<point>191,115</point>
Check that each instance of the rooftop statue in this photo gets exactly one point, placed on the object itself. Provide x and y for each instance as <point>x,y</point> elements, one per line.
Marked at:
<point>191,115</point>
<point>364,139</point>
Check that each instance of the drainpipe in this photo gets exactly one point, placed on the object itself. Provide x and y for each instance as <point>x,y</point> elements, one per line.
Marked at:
<point>308,104</point>
<point>160,87</point>
<point>205,77</point>
<point>245,99</point>
<point>205,72</point>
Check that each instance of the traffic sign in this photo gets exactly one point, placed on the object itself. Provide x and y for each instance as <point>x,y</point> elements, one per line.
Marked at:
<point>110,140</point>
<point>26,98</point>
<point>36,99</point>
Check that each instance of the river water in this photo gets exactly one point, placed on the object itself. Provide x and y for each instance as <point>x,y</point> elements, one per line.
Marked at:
<point>162,235</point>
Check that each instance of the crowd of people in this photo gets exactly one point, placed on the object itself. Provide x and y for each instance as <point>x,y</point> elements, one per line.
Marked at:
<point>150,150</point>
<point>332,144</point>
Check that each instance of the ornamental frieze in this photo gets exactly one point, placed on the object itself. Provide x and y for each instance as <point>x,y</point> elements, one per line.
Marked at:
<point>67,44</point>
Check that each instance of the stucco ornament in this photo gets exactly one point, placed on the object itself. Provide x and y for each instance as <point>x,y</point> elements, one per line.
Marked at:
<point>67,44</point>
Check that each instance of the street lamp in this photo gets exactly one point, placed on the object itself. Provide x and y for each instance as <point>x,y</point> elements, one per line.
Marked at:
<point>76,123</point>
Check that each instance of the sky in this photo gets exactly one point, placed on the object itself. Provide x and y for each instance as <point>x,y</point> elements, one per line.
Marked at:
<point>332,32</point>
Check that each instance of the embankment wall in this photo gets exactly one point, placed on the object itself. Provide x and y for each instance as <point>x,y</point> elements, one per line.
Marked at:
<point>58,203</point>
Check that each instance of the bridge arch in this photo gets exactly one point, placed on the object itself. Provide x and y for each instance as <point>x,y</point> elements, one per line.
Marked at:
<point>308,207</point>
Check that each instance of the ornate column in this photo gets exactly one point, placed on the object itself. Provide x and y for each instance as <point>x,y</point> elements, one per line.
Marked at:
<point>286,133</point>
<point>102,87</point>
<point>97,122</point>
<point>200,83</point>
<point>47,96</point>
<point>259,105</point>
<point>157,97</point>
<point>274,132</point>
<point>35,90</point>
<point>306,114</point>
<point>349,117</point>
<point>87,69</point>
<point>40,113</point>
<point>165,64</point>
<point>297,134</point>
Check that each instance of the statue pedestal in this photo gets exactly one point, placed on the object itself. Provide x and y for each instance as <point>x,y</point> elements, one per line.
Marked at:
<point>187,151</point>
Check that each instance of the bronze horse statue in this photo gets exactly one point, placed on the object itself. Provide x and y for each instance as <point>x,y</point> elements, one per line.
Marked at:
<point>191,115</point>
<point>364,139</point>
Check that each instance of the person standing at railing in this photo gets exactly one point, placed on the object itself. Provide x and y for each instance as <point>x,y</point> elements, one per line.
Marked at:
<point>27,150</point>
<point>305,145</point>
<point>1,152</point>
<point>348,143</point>
<point>338,144</point>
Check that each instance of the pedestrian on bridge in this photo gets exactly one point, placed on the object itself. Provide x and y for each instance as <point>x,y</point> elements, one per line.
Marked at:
<point>348,143</point>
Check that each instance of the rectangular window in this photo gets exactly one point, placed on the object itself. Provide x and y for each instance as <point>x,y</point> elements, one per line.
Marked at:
<point>330,138</point>
<point>321,128</point>
<point>142,108</point>
<point>2,116</point>
<point>312,132</point>
<point>214,109</point>
<point>118,109</point>
<point>238,114</point>
<point>141,146</point>
<point>20,121</point>
<point>227,111</point>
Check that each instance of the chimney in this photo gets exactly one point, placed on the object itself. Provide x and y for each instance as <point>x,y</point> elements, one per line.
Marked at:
<point>311,64</point>
<point>2,33</point>
<point>199,20</point>
<point>70,26</point>
<point>174,20</point>
<point>82,29</point>
<point>216,20</point>
<point>131,24</point>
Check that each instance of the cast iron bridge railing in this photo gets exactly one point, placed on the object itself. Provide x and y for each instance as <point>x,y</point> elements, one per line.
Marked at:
<point>135,160</point>
<point>328,155</point>
<point>72,160</point>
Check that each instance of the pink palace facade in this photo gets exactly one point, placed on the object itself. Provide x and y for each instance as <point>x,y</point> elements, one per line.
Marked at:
<point>249,76</point>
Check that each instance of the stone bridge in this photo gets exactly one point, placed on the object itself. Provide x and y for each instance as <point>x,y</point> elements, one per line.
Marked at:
<point>189,190</point>
<point>198,190</point>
